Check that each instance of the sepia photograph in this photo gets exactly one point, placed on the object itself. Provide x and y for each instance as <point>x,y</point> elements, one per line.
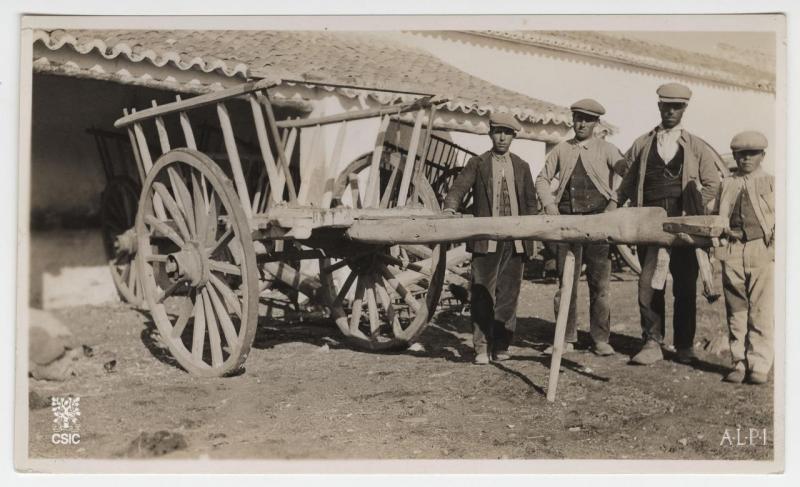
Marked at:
<point>333,242</point>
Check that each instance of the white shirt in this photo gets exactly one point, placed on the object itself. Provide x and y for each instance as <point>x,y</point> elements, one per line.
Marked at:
<point>667,141</point>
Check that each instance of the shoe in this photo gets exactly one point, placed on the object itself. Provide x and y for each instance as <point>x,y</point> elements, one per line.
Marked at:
<point>757,378</point>
<point>685,356</point>
<point>603,349</point>
<point>501,356</point>
<point>650,354</point>
<point>736,376</point>
<point>569,347</point>
<point>481,359</point>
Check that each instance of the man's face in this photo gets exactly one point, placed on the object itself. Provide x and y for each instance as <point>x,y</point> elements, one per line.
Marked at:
<point>583,124</point>
<point>501,139</point>
<point>748,160</point>
<point>671,113</point>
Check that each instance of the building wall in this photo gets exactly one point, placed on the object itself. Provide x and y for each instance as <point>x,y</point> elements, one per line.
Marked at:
<point>716,112</point>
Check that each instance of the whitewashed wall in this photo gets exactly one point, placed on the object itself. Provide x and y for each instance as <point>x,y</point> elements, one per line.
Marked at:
<point>716,113</point>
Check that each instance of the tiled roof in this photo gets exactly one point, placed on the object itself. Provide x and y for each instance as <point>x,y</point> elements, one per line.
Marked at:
<point>363,60</point>
<point>645,54</point>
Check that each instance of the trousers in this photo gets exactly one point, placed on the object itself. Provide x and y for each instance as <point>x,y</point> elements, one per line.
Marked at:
<point>684,269</point>
<point>598,273</point>
<point>747,280</point>
<point>496,281</point>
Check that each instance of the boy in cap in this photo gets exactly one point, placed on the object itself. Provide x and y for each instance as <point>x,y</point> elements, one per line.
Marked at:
<point>674,169</point>
<point>501,185</point>
<point>585,167</point>
<point>746,200</point>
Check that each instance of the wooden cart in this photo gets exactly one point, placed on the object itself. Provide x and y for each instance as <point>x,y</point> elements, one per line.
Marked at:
<point>214,237</point>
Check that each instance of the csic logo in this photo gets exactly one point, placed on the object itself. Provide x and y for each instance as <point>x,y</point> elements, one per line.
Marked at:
<point>66,420</point>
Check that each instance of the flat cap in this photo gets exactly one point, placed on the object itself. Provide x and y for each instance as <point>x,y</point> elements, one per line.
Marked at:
<point>749,140</point>
<point>674,93</point>
<point>589,107</point>
<point>504,119</point>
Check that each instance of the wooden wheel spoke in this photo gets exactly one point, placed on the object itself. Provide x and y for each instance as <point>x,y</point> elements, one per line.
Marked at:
<point>348,283</point>
<point>200,207</point>
<point>227,294</point>
<point>386,302</point>
<point>398,287</point>
<point>212,222</point>
<point>334,267</point>
<point>416,267</point>
<point>199,331</point>
<point>128,275</point>
<point>164,229</point>
<point>184,199</point>
<point>183,317</point>
<point>225,321</point>
<point>224,267</point>
<point>213,330</point>
<point>156,258</point>
<point>358,303</point>
<point>372,307</point>
<point>172,207</point>
<point>222,240</point>
<point>170,290</point>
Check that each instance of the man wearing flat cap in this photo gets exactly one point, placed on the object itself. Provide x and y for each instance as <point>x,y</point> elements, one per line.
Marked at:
<point>671,168</point>
<point>501,185</point>
<point>747,202</point>
<point>585,167</point>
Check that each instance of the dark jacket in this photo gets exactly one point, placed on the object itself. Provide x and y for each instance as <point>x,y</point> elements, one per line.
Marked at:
<point>477,176</point>
<point>700,178</point>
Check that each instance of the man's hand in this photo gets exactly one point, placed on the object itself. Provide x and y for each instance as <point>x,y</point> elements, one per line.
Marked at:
<point>551,210</point>
<point>611,206</point>
<point>449,211</point>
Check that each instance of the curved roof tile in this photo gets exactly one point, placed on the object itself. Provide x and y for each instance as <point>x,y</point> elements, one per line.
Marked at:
<point>363,60</point>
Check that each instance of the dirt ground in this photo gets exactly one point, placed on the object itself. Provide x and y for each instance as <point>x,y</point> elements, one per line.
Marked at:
<point>307,394</point>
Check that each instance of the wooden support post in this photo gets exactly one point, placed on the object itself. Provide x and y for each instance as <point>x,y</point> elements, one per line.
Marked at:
<point>567,278</point>
<point>333,166</point>
<point>137,158</point>
<point>371,199</point>
<point>309,169</point>
<point>147,163</point>
<point>408,169</point>
<point>266,152</point>
<point>233,157</point>
<point>425,147</point>
<point>283,159</point>
<point>186,126</point>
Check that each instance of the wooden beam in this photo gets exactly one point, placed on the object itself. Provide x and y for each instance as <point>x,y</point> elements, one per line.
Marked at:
<point>622,226</point>
<point>195,102</point>
<point>362,114</point>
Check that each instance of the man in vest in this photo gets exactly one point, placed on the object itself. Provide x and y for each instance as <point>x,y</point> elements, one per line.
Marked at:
<point>585,167</point>
<point>501,185</point>
<point>675,170</point>
<point>747,201</point>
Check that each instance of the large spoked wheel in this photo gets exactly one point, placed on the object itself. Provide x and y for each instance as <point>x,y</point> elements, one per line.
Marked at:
<point>191,228</point>
<point>383,297</point>
<point>118,205</point>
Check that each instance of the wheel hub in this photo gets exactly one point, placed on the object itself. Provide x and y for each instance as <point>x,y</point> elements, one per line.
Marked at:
<point>190,263</point>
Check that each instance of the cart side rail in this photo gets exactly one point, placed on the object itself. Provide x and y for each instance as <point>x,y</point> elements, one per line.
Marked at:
<point>195,102</point>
